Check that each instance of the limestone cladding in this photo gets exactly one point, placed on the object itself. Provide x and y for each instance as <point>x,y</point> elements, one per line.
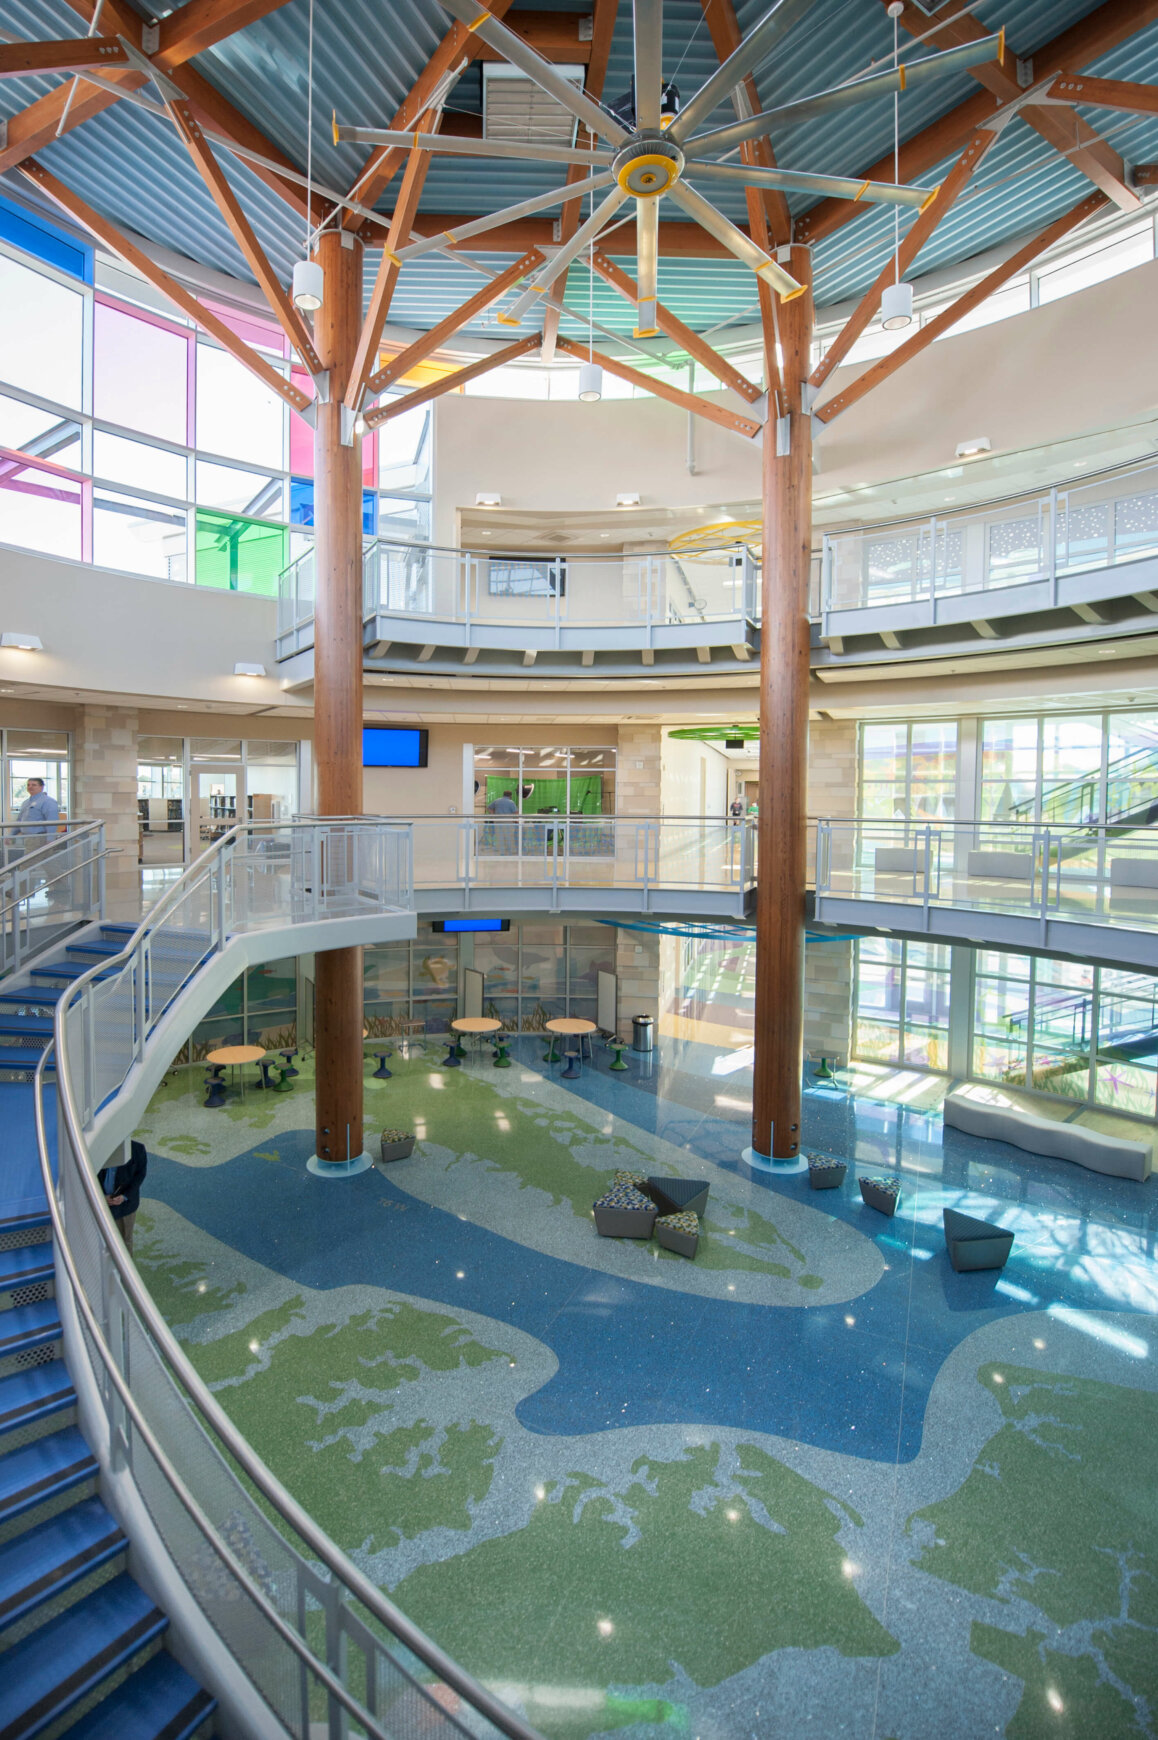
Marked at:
<point>638,770</point>
<point>828,999</point>
<point>105,775</point>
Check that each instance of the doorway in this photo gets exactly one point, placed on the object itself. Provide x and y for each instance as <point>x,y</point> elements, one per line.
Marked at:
<point>214,793</point>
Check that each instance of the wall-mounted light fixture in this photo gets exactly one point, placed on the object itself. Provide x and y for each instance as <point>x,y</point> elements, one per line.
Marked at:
<point>244,670</point>
<point>485,498</point>
<point>970,449</point>
<point>23,642</point>
<point>627,498</point>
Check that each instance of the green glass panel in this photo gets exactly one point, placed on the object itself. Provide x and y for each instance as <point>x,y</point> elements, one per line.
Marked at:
<point>239,555</point>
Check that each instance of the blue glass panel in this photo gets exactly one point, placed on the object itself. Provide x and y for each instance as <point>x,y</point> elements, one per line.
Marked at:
<point>45,242</point>
<point>302,505</point>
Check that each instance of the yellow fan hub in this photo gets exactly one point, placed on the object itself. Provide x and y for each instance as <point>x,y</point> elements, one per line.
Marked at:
<point>646,168</point>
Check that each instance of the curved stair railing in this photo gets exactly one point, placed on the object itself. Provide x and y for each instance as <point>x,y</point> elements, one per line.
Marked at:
<point>47,887</point>
<point>279,1623</point>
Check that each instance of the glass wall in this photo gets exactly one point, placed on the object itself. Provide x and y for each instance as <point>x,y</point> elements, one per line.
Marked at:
<point>131,440</point>
<point>1063,1028</point>
<point>1070,769</point>
<point>35,755</point>
<point>908,771</point>
<point>259,1008</point>
<point>192,790</point>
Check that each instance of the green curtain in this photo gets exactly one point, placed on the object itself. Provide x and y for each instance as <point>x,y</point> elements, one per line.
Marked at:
<point>239,555</point>
<point>551,794</point>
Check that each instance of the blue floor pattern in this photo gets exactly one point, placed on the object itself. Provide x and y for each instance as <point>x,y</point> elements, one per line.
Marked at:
<point>854,1377</point>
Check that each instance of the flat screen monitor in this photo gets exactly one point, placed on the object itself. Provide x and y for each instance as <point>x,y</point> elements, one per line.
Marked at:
<point>463,926</point>
<point>393,746</point>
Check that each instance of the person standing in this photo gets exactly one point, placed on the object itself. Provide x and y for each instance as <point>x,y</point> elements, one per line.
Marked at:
<point>38,813</point>
<point>122,1188</point>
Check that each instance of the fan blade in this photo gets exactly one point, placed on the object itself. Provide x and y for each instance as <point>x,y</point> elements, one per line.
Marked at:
<point>509,215</point>
<point>520,54</point>
<point>456,147</point>
<point>647,17</point>
<point>827,186</point>
<point>561,260</point>
<point>735,240</point>
<point>647,256</point>
<point>840,96</point>
<point>756,46</point>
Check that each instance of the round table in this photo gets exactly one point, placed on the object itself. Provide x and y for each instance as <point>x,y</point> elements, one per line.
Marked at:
<point>477,1024</point>
<point>233,1056</point>
<point>568,1027</point>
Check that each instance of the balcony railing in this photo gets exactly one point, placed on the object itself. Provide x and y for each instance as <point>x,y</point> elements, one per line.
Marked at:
<point>1036,546</point>
<point>48,885</point>
<point>1102,874</point>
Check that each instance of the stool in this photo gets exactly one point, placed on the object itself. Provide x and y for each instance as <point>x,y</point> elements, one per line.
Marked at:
<point>572,1071</point>
<point>453,1058</point>
<point>551,1055</point>
<point>283,1084</point>
<point>822,1071</point>
<point>289,1056</point>
<point>382,1073</point>
<point>215,1098</point>
<point>265,1064</point>
<point>501,1057</point>
<point>618,1046</point>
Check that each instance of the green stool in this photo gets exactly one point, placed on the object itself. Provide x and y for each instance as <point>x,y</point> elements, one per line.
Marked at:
<point>618,1046</point>
<point>283,1084</point>
<point>551,1055</point>
<point>501,1059</point>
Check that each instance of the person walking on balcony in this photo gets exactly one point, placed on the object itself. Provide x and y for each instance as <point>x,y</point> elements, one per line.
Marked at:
<point>122,1188</point>
<point>504,831</point>
<point>39,813</point>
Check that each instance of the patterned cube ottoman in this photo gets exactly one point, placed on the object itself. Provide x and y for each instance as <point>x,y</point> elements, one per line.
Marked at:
<point>825,1174</point>
<point>624,1213</point>
<point>679,1232</point>
<point>883,1194</point>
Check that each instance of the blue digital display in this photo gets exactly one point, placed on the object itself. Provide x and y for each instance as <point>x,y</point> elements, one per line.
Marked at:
<point>390,746</point>
<point>454,926</point>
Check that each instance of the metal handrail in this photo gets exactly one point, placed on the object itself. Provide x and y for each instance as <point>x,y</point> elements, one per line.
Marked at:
<point>196,1392</point>
<point>97,858</point>
<point>286,1632</point>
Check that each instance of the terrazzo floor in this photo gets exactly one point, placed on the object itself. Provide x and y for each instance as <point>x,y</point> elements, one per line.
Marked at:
<point>812,1483</point>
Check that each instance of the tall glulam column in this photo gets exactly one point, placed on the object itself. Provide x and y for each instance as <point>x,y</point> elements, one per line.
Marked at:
<point>338,686</point>
<point>784,676</point>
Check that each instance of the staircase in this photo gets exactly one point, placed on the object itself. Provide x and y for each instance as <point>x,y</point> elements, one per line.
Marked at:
<point>82,1647</point>
<point>1131,796</point>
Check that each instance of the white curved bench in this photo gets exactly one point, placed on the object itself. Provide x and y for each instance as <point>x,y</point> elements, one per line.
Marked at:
<point>1003,1122</point>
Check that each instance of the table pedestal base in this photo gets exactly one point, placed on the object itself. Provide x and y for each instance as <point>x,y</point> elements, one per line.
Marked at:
<point>765,1163</point>
<point>339,1168</point>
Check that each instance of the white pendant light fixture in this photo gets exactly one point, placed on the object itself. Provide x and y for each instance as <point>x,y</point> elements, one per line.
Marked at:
<point>309,283</point>
<point>897,300</point>
<point>591,373</point>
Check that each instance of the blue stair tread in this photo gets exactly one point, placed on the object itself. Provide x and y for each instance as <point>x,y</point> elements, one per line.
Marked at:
<point>38,1470</point>
<point>24,1222</point>
<point>158,1702</point>
<point>19,1056</point>
<point>42,995</point>
<point>28,1263</point>
<point>38,1024</point>
<point>95,948</point>
<point>40,1390</point>
<point>111,929</point>
<point>28,1326</point>
<point>36,1565</point>
<point>46,1673</point>
<point>61,970</point>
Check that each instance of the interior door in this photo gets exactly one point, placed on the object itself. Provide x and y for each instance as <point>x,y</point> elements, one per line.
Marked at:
<point>216,797</point>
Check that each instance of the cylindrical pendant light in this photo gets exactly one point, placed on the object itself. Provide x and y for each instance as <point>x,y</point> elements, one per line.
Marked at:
<point>591,382</point>
<point>897,306</point>
<point>309,285</point>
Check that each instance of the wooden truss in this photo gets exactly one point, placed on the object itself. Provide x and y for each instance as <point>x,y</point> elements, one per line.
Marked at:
<point>451,383</point>
<point>674,395</point>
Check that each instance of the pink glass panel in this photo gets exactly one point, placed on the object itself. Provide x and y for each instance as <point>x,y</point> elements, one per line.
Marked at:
<point>40,506</point>
<point>301,434</point>
<point>262,334</point>
<point>140,373</point>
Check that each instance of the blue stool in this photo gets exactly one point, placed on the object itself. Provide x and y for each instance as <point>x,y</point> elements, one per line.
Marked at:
<point>265,1065</point>
<point>289,1056</point>
<point>215,1098</point>
<point>573,1070</point>
<point>453,1058</point>
<point>382,1073</point>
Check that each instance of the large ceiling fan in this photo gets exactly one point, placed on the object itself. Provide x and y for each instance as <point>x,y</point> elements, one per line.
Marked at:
<point>654,149</point>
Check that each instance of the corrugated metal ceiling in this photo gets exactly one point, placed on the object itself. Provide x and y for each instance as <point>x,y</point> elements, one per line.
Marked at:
<point>129,164</point>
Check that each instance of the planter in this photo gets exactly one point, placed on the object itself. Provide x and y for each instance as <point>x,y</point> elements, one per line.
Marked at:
<point>399,1148</point>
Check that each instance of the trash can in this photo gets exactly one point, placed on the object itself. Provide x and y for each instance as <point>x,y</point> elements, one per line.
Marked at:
<point>642,1033</point>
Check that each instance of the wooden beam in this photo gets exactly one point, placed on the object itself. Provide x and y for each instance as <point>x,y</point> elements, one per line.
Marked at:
<point>1105,94</point>
<point>389,266</point>
<point>602,30</point>
<point>20,58</point>
<point>554,35</point>
<point>1101,30</point>
<point>31,128</point>
<point>1085,148</point>
<point>457,47</point>
<point>437,336</point>
<point>677,241</point>
<point>218,115</point>
<point>767,207</point>
<point>674,395</point>
<point>690,341</point>
<point>888,365</point>
<point>1146,175</point>
<point>227,204</point>
<point>112,238</point>
<point>449,383</point>
<point>199,24</point>
<point>914,241</point>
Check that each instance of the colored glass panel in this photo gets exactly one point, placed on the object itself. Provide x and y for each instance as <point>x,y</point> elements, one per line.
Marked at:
<point>41,336</point>
<point>239,555</point>
<point>140,374</point>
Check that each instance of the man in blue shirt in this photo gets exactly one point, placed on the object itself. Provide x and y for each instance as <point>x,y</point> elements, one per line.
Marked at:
<point>38,808</point>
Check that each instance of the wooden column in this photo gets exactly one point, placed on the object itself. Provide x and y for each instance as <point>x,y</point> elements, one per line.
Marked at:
<point>338,686</point>
<point>784,676</point>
